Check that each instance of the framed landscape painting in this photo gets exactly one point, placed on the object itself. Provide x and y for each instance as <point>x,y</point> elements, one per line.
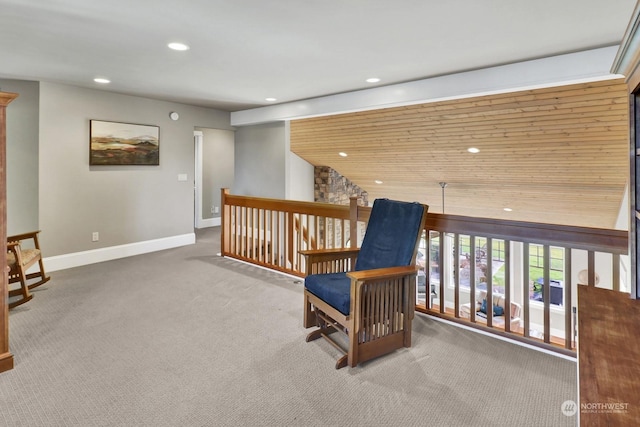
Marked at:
<point>115,143</point>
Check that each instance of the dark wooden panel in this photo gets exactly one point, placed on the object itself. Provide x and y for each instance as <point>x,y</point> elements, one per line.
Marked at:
<point>6,358</point>
<point>609,357</point>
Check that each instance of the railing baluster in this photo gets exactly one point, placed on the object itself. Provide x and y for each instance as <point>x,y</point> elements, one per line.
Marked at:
<point>440,272</point>
<point>489,281</point>
<point>507,286</point>
<point>616,272</point>
<point>456,278</point>
<point>526,283</point>
<point>568,299</point>
<point>282,251</point>
<point>591,257</point>
<point>249,251</point>
<point>472,278</point>
<point>546,293</point>
<point>289,239</point>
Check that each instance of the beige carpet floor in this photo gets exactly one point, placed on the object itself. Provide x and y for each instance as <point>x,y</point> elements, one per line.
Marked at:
<point>183,337</point>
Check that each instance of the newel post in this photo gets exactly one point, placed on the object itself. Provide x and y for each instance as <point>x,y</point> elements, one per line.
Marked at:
<point>353,222</point>
<point>225,219</point>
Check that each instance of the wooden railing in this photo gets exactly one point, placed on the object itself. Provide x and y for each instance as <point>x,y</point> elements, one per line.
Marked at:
<point>584,249</point>
<point>271,233</point>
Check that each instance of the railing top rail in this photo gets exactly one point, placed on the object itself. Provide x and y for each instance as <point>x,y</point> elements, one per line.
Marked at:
<point>293,206</point>
<point>597,239</point>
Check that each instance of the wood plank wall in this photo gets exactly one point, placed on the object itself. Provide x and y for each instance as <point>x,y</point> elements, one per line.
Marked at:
<point>554,155</point>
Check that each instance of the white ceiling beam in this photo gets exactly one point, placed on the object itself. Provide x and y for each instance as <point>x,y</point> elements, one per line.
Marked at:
<point>558,70</point>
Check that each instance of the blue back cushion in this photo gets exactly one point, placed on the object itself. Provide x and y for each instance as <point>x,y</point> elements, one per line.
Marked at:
<point>391,235</point>
<point>389,242</point>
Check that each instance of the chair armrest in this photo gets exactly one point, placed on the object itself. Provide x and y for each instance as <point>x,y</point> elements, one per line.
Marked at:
<point>17,238</point>
<point>14,256</point>
<point>383,273</point>
<point>337,253</point>
<point>329,260</point>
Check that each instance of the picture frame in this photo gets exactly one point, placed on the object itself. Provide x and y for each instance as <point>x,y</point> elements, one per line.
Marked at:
<point>118,143</point>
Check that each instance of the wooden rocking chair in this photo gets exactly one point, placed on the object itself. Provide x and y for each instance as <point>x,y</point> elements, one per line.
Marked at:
<point>20,258</point>
<point>374,304</point>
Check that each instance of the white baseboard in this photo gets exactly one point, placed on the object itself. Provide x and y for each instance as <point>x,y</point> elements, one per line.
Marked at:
<point>77,259</point>
<point>498,337</point>
<point>209,222</point>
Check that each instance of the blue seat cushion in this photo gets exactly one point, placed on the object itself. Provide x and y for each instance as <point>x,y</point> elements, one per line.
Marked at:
<point>332,288</point>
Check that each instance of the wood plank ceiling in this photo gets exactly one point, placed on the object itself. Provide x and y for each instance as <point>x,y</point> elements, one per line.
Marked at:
<point>555,155</point>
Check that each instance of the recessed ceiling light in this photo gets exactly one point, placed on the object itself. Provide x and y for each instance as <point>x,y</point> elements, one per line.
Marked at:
<point>270,99</point>
<point>342,154</point>
<point>373,80</point>
<point>178,46</point>
<point>473,150</point>
<point>101,80</point>
<point>377,181</point>
<point>508,209</point>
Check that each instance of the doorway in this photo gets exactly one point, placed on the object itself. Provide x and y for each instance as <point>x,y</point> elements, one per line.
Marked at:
<point>214,169</point>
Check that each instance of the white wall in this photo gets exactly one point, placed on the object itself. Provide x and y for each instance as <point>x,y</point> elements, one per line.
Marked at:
<point>260,161</point>
<point>22,156</point>
<point>300,176</point>
<point>125,204</point>
<point>299,179</point>
<point>217,168</point>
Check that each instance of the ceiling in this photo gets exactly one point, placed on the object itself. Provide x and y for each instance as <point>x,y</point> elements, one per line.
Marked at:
<point>245,51</point>
<point>552,155</point>
<point>242,52</point>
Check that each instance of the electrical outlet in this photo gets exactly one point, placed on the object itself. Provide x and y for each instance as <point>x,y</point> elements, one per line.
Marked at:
<point>95,236</point>
<point>216,209</point>
<point>212,209</point>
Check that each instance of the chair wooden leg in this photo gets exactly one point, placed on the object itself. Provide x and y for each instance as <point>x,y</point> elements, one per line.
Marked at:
<point>20,302</point>
<point>352,354</point>
<point>23,291</point>
<point>342,362</point>
<point>319,333</point>
<point>40,274</point>
<point>310,319</point>
<point>38,283</point>
<point>407,333</point>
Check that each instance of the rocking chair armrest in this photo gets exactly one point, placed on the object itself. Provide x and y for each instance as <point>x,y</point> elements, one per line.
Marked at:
<point>14,247</point>
<point>24,236</point>
<point>383,273</point>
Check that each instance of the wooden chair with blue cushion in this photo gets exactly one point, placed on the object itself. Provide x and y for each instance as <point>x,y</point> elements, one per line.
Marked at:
<point>373,305</point>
